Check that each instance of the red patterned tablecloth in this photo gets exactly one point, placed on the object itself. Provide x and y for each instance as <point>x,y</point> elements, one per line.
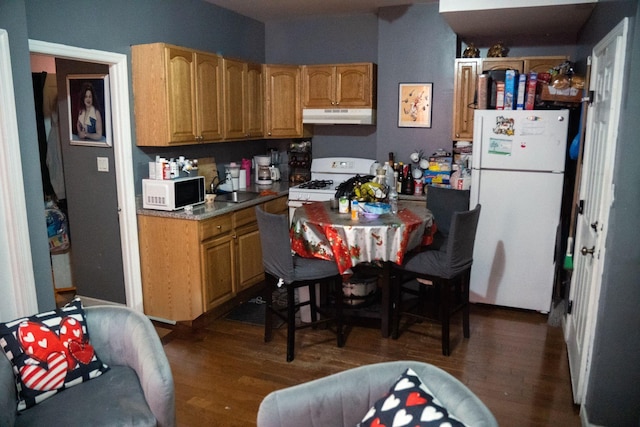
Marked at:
<point>320,232</point>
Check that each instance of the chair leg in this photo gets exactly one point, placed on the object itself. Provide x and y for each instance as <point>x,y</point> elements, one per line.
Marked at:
<point>396,304</point>
<point>291,322</point>
<point>465,301</point>
<point>445,313</point>
<point>268,314</point>
<point>339,295</point>
<point>313,305</point>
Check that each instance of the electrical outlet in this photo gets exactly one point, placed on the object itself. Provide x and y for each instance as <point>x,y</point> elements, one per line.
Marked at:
<point>103,164</point>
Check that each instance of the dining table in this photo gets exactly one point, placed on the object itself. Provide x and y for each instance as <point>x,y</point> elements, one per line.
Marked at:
<point>318,231</point>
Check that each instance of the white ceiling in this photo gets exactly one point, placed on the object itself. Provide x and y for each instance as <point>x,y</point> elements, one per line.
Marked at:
<point>273,10</point>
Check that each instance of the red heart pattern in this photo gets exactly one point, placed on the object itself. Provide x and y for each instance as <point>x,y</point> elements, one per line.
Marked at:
<point>409,403</point>
<point>415,398</point>
<point>51,377</point>
<point>57,354</point>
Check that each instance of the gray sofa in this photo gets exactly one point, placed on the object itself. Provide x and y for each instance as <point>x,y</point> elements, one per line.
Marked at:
<point>137,390</point>
<point>344,398</point>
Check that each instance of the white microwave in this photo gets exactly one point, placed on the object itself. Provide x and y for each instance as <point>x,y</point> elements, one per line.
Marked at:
<point>172,194</point>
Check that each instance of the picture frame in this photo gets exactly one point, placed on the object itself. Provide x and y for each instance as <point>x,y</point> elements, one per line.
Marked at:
<point>92,128</point>
<point>414,105</point>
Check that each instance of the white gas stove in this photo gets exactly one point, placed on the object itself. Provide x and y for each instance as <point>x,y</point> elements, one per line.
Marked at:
<point>326,174</point>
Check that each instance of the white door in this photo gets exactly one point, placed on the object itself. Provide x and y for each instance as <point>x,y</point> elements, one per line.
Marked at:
<point>596,188</point>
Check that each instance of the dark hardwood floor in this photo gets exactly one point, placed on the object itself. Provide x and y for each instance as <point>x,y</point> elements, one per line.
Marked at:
<point>514,362</point>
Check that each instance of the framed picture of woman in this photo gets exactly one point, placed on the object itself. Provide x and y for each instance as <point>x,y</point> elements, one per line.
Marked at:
<point>89,109</point>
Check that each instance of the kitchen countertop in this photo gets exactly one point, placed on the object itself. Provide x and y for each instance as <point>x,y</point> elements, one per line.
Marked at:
<point>205,211</point>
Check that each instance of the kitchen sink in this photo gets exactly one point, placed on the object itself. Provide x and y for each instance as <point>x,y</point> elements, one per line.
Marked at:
<point>237,196</point>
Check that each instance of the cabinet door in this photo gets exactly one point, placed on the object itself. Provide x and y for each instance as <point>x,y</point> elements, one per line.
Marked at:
<point>235,96</point>
<point>249,257</point>
<point>283,112</point>
<point>255,101</point>
<point>318,83</point>
<point>217,259</point>
<point>354,85</point>
<point>209,97</point>
<point>464,90</point>
<point>170,268</point>
<point>503,64</point>
<point>180,94</point>
<point>543,64</point>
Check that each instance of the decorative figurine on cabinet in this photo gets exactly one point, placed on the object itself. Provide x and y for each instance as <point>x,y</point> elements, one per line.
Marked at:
<point>471,52</point>
<point>498,50</point>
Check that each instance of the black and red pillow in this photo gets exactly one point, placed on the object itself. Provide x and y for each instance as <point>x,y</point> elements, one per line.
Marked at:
<point>409,403</point>
<point>49,352</point>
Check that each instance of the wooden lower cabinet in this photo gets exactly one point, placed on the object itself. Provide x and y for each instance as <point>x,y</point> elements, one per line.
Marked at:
<point>191,267</point>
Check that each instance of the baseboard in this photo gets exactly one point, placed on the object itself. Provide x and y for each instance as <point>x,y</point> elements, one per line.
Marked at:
<point>88,301</point>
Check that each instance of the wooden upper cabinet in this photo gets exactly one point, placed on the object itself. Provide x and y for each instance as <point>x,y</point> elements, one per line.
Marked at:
<point>209,96</point>
<point>244,100</point>
<point>318,86</point>
<point>464,91</point>
<point>355,85</point>
<point>235,88</point>
<point>255,101</point>
<point>283,110</point>
<point>543,64</point>
<point>503,64</point>
<point>341,85</point>
<point>176,95</point>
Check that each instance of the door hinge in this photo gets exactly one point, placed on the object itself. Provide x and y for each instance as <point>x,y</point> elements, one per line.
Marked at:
<point>589,98</point>
<point>569,306</point>
<point>580,207</point>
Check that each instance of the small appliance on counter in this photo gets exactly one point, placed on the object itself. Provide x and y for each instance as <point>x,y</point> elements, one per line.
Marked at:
<point>263,170</point>
<point>172,194</point>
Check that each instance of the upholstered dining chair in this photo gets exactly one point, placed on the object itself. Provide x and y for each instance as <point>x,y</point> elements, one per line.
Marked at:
<point>291,271</point>
<point>448,270</point>
<point>443,202</point>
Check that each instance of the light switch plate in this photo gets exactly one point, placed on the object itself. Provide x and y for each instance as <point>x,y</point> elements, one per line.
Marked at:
<point>103,164</point>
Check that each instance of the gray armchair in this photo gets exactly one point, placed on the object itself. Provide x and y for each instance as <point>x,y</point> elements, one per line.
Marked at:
<point>344,398</point>
<point>137,390</point>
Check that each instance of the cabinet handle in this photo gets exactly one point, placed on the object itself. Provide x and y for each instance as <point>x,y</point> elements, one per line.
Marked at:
<point>219,227</point>
<point>235,236</point>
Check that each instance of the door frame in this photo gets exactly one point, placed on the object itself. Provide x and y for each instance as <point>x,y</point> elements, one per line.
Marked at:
<point>122,146</point>
<point>16,272</point>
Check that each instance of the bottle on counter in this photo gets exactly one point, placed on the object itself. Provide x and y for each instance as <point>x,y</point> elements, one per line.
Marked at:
<point>409,188</point>
<point>392,198</point>
<point>400,179</point>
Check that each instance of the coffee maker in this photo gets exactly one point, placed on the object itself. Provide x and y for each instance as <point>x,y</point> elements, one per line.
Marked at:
<point>262,170</point>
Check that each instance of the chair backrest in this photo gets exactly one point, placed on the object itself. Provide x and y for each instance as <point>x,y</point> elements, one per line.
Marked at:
<point>443,202</point>
<point>276,246</point>
<point>462,237</point>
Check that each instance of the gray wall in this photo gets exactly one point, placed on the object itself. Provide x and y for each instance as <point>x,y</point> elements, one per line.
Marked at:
<point>613,396</point>
<point>114,26</point>
<point>409,44</point>
<point>13,19</point>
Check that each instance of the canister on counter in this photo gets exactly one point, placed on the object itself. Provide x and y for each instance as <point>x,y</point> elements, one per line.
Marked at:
<point>343,205</point>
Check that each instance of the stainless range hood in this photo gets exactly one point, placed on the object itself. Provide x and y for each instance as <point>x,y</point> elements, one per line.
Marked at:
<point>339,116</point>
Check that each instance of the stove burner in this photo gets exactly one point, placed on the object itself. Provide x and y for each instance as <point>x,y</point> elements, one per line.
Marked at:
<point>317,184</point>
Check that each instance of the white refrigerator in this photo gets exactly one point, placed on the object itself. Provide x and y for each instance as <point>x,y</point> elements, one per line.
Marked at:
<point>517,176</point>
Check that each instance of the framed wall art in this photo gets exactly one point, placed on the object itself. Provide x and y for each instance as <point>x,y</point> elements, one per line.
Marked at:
<point>89,109</point>
<point>414,105</point>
